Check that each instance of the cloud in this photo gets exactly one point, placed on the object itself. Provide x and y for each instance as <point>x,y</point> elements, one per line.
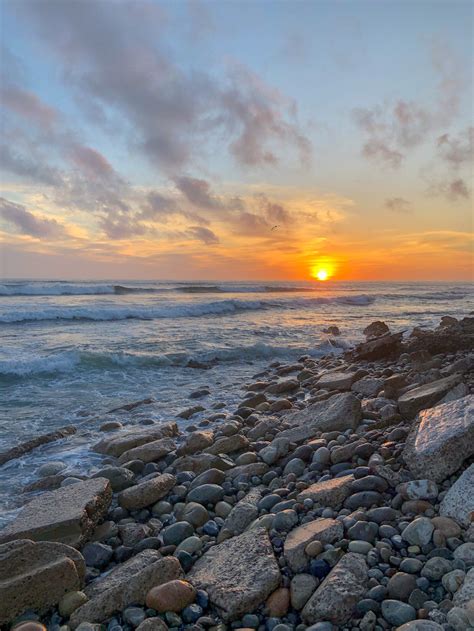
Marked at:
<point>91,162</point>
<point>197,191</point>
<point>452,190</point>
<point>27,104</point>
<point>398,205</point>
<point>32,169</point>
<point>167,110</point>
<point>457,151</point>
<point>395,128</point>
<point>207,236</point>
<point>27,223</point>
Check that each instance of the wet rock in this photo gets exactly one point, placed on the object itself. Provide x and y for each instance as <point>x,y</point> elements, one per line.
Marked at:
<point>376,329</point>
<point>117,445</point>
<point>323,530</point>
<point>67,515</point>
<point>378,348</point>
<point>149,452</point>
<point>36,576</point>
<point>336,598</point>
<point>458,503</point>
<point>146,493</point>
<point>238,574</point>
<point>441,440</point>
<point>126,584</point>
<point>26,447</point>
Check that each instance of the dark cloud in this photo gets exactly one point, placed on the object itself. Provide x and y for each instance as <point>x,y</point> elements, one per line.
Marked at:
<point>198,192</point>
<point>452,190</point>
<point>32,169</point>
<point>205,235</point>
<point>398,205</point>
<point>272,211</point>
<point>115,61</point>
<point>25,222</point>
<point>27,104</point>
<point>121,227</point>
<point>248,223</point>
<point>91,162</point>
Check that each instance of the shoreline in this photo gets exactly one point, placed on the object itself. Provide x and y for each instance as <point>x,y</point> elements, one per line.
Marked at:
<point>317,489</point>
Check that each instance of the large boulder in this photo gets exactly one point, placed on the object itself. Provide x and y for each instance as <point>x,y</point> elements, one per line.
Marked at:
<point>323,530</point>
<point>195,442</point>
<point>458,502</point>
<point>238,574</point>
<point>441,440</point>
<point>125,441</point>
<point>329,492</point>
<point>67,515</point>
<point>228,444</point>
<point>243,513</point>
<point>339,412</point>
<point>36,576</point>
<point>426,396</point>
<point>337,596</point>
<point>337,380</point>
<point>146,493</point>
<point>388,345</point>
<point>126,584</point>
<point>149,452</point>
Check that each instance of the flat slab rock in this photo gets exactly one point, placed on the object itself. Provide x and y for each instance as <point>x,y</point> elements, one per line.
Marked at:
<point>126,584</point>
<point>336,597</point>
<point>67,515</point>
<point>425,396</point>
<point>329,492</point>
<point>323,530</point>
<point>124,441</point>
<point>441,440</point>
<point>458,503</point>
<point>339,412</point>
<point>36,576</point>
<point>238,574</point>
<point>337,380</point>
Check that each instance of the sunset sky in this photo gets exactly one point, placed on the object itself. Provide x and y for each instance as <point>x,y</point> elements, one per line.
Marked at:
<point>236,140</point>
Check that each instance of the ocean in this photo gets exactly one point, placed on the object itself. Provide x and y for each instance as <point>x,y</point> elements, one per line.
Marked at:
<point>72,351</point>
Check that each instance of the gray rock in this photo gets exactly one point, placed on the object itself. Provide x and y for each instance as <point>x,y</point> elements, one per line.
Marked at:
<point>206,494</point>
<point>301,588</point>
<point>277,449</point>
<point>337,380</point>
<point>174,534</point>
<point>419,532</point>
<point>466,592</point>
<point>458,503</point>
<point>149,452</point>
<point>426,395</point>
<point>238,574</point>
<point>243,513</point>
<point>97,554</point>
<point>146,493</point>
<point>120,478</point>
<point>368,386</point>
<point>337,596</point>
<point>67,515</point>
<point>330,492</point>
<point>465,552</point>
<point>397,613</point>
<point>435,568</point>
<point>124,441</point>
<point>421,625</point>
<point>323,530</point>
<point>441,440</point>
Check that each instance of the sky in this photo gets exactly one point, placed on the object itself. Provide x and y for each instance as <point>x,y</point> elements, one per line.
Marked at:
<point>263,139</point>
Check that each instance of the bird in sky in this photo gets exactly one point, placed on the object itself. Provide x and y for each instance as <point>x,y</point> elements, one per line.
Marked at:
<point>274,228</point>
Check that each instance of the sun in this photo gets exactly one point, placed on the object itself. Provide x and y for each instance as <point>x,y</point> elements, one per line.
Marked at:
<point>322,274</point>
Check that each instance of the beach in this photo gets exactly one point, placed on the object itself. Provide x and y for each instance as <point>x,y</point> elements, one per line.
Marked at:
<point>329,489</point>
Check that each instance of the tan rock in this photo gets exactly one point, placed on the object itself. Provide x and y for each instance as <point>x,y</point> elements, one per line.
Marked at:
<point>195,442</point>
<point>149,452</point>
<point>337,596</point>
<point>117,445</point>
<point>153,624</point>
<point>29,626</point>
<point>322,530</point>
<point>36,576</point>
<point>458,502</point>
<point>426,396</point>
<point>70,602</point>
<point>126,584</point>
<point>172,596</point>
<point>330,492</point>
<point>67,515</point>
<point>337,380</point>
<point>202,462</point>
<point>228,444</point>
<point>238,574</point>
<point>146,493</point>
<point>248,470</point>
<point>278,603</point>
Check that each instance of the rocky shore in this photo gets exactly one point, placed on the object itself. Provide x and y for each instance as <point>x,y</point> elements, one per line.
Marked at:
<point>339,495</point>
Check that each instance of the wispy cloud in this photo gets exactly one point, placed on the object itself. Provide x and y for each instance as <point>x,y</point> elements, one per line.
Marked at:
<point>25,222</point>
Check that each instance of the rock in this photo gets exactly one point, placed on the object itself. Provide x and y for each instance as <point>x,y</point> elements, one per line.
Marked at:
<point>195,442</point>
<point>243,513</point>
<point>248,470</point>
<point>120,478</point>
<point>146,493</point>
<point>228,444</point>
<point>172,596</point>
<point>211,476</point>
<point>397,613</point>
<point>339,412</point>
<point>419,532</point>
<point>421,625</point>
<point>332,330</point>
<point>447,526</point>
<point>238,574</point>
<point>126,584</point>
<point>70,602</point>
<point>323,530</point>
<point>466,592</point>
<point>419,490</point>
<point>67,515</point>
<point>425,396</point>
<point>285,520</point>
<point>24,448</point>
<point>337,596</point>
<point>152,624</point>
<point>149,452</point>
<point>301,588</point>
<point>206,494</point>
<point>275,450</point>
<point>337,380</point>
<point>465,552</point>
<point>368,386</point>
<point>458,503</point>
<point>330,492</point>
<point>36,576</point>
<point>278,603</point>
<point>401,585</point>
<point>282,387</point>
<point>441,440</point>
<point>202,462</point>
<point>377,348</point>
<point>117,445</point>
<point>452,581</point>
<point>97,554</point>
<point>195,514</point>
<point>458,619</point>
<point>29,626</point>
<point>435,568</point>
<point>177,532</point>
<point>376,329</point>
<point>188,412</point>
